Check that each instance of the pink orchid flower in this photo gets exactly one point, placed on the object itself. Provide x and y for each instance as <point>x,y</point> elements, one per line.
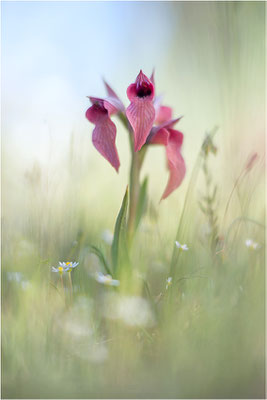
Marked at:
<point>104,133</point>
<point>151,122</point>
<point>172,139</point>
<point>164,134</point>
<point>141,111</point>
<point>163,114</point>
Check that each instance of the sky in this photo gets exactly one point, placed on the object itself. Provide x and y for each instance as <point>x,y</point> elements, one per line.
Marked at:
<point>56,53</point>
<point>208,58</point>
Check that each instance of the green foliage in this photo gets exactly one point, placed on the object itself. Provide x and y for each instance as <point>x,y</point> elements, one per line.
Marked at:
<point>142,203</point>
<point>119,248</point>
<point>208,201</point>
<point>95,250</point>
<point>88,339</point>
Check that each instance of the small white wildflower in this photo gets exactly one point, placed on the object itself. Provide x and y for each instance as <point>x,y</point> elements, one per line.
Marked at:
<point>251,244</point>
<point>58,269</point>
<point>168,282</point>
<point>182,247</point>
<point>107,236</point>
<point>106,279</point>
<point>65,267</point>
<point>68,266</point>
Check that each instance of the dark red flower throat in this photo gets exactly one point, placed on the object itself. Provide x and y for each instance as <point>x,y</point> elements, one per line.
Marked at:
<point>144,87</point>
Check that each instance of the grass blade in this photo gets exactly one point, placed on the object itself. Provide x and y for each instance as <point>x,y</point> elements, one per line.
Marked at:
<point>95,250</point>
<point>119,245</point>
<point>142,203</point>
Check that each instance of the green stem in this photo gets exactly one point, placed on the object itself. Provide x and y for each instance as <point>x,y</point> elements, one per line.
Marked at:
<point>134,186</point>
<point>70,286</point>
<point>210,212</point>
<point>134,192</point>
<point>62,285</point>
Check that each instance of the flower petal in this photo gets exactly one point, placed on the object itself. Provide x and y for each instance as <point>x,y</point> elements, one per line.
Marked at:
<point>156,129</point>
<point>115,282</point>
<point>152,77</point>
<point>108,105</point>
<point>172,140</point>
<point>141,111</point>
<point>164,114</point>
<point>141,115</point>
<point>142,88</point>
<point>176,162</point>
<point>104,133</point>
<point>160,136</point>
<point>113,98</point>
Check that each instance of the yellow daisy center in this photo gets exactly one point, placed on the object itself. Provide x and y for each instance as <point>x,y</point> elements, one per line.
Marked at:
<point>108,279</point>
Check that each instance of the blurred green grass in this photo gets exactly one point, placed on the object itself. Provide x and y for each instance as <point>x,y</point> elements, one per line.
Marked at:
<point>206,339</point>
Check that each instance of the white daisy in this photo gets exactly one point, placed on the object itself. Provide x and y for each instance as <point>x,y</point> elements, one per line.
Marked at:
<point>65,267</point>
<point>251,244</point>
<point>59,269</point>
<point>106,279</point>
<point>68,266</point>
<point>168,282</point>
<point>182,247</point>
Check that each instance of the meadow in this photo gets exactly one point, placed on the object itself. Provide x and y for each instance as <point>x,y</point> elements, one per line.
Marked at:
<point>201,337</point>
<point>168,297</point>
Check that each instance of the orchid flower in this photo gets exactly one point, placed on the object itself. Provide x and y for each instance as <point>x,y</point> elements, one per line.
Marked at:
<point>141,112</point>
<point>172,139</point>
<point>104,134</point>
<point>150,123</point>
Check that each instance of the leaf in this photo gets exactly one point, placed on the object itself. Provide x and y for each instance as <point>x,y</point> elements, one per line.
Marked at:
<point>119,248</point>
<point>95,250</point>
<point>142,203</point>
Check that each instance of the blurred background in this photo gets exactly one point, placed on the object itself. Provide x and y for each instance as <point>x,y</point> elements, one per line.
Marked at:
<point>209,65</point>
<point>209,60</point>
